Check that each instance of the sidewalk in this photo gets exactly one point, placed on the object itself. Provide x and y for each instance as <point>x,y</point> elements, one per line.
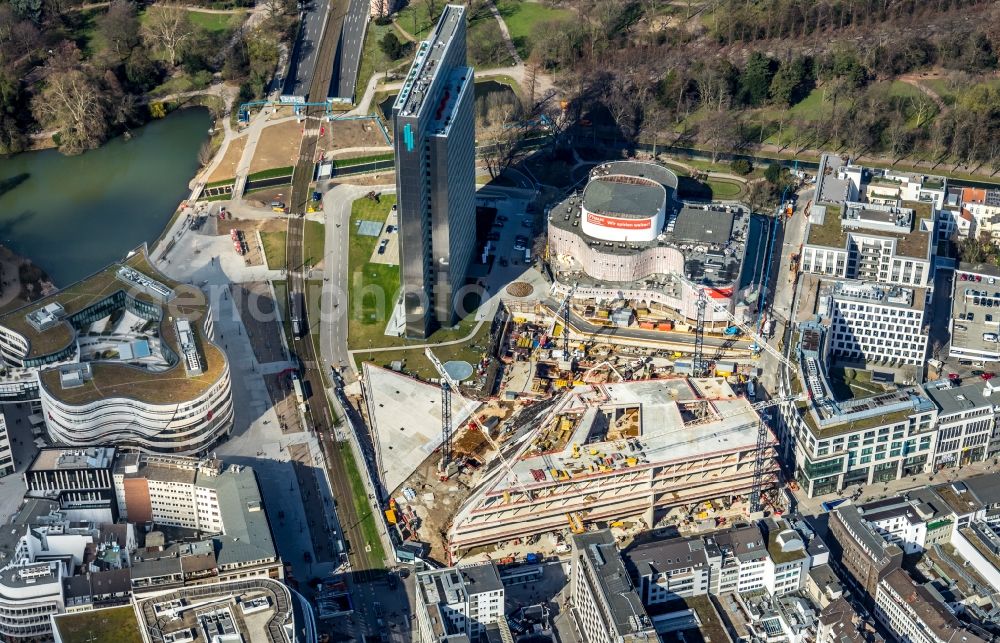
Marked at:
<point>880,490</point>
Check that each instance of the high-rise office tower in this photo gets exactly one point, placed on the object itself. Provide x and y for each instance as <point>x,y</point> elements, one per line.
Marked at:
<point>435,176</point>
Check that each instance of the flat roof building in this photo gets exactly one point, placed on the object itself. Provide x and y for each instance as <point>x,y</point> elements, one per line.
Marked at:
<point>458,602</point>
<point>605,604</point>
<point>91,394</point>
<point>836,443</point>
<point>631,449</point>
<point>627,235</point>
<point>435,175</point>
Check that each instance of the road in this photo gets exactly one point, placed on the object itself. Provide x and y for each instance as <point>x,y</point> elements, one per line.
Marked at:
<point>303,174</point>
<point>333,331</point>
<point>352,42</point>
<point>303,66</point>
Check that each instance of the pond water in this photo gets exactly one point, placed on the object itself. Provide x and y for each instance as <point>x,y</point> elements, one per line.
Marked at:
<point>73,215</point>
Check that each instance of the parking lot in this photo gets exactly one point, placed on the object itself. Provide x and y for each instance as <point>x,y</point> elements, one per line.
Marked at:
<point>976,314</point>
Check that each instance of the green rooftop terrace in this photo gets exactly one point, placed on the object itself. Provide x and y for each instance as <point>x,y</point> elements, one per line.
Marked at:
<point>830,234</point>
<point>111,625</point>
<point>842,428</point>
<point>113,379</point>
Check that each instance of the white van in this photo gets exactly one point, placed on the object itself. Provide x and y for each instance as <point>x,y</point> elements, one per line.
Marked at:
<point>989,337</point>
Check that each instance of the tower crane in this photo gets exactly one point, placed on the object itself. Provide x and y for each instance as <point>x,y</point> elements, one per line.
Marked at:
<point>761,344</point>
<point>563,312</point>
<point>446,429</point>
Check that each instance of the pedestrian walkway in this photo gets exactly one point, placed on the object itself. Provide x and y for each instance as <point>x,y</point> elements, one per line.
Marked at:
<point>880,490</point>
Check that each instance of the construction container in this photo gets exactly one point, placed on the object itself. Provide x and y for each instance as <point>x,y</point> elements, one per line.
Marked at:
<point>665,326</point>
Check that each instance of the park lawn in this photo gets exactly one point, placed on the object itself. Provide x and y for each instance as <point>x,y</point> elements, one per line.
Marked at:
<point>315,239</point>
<point>216,21</point>
<point>413,18</point>
<point>521,18</point>
<point>725,190</point>
<point>377,286</point>
<point>373,59</point>
<point>485,28</point>
<point>415,362</point>
<point>81,28</point>
<point>274,248</point>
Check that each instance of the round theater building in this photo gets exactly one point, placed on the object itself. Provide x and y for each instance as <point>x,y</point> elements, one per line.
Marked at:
<point>626,235</point>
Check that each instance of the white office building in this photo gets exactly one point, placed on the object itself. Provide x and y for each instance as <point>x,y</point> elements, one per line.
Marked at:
<point>914,615</point>
<point>966,421</point>
<point>878,324</point>
<point>838,443</point>
<point>459,601</point>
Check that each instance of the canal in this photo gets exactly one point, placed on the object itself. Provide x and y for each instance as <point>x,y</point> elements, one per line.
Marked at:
<point>73,215</point>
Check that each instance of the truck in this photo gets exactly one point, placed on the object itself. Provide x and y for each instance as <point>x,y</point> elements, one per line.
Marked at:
<point>751,393</point>
<point>532,559</point>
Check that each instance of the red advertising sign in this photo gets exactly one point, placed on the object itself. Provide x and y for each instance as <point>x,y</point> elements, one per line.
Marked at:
<point>619,223</point>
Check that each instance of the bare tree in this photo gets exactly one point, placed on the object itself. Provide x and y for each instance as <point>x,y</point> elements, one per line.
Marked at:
<point>720,131</point>
<point>169,29</point>
<point>72,103</point>
<point>506,146</point>
<point>120,26</point>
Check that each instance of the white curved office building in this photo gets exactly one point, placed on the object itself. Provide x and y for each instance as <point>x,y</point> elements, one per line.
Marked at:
<point>124,357</point>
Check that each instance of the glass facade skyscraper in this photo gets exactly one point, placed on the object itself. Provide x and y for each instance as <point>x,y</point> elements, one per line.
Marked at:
<point>435,152</point>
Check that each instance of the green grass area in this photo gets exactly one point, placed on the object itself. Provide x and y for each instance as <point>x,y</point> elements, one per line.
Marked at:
<point>485,28</point>
<point>81,28</point>
<point>182,83</point>
<point>215,184</point>
<point>217,21</point>
<point>274,248</point>
<point>312,246</point>
<point>273,173</point>
<point>361,504</point>
<point>373,59</point>
<point>112,625</point>
<point>360,160</point>
<point>374,286</point>
<point>725,190</point>
<point>850,383</point>
<point>415,19</point>
<point>521,18</point>
<point>416,363</point>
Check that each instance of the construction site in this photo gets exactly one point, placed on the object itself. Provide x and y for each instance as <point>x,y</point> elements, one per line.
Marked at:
<point>568,438</point>
<point>628,405</point>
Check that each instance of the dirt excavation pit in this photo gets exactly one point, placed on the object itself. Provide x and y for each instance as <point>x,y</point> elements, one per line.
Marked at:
<point>348,134</point>
<point>433,501</point>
